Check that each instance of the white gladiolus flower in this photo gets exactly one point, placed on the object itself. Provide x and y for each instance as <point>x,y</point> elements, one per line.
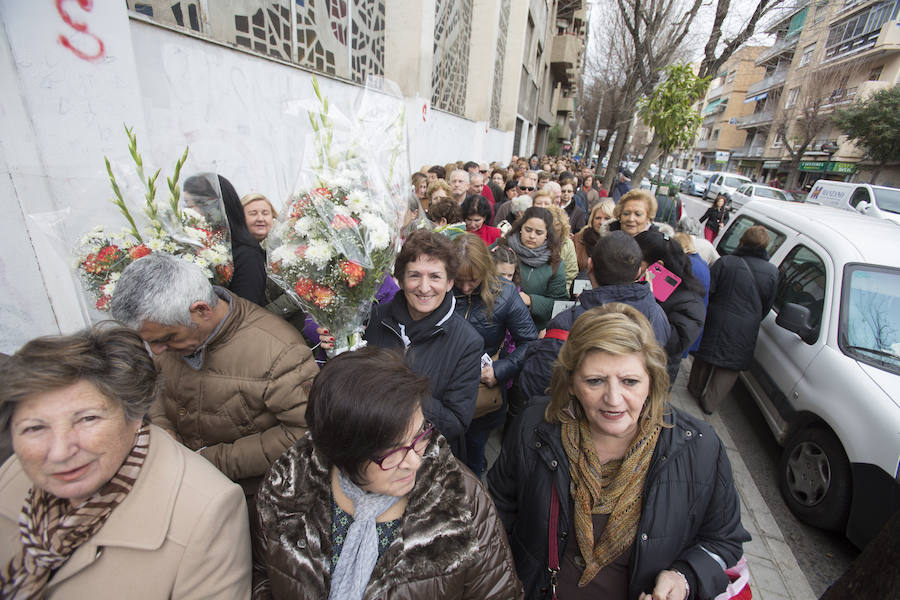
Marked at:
<point>318,253</point>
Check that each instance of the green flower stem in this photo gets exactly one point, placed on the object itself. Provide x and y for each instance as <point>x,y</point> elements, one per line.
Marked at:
<point>120,202</point>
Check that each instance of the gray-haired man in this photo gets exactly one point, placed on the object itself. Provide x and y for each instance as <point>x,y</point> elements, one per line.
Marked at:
<point>236,376</point>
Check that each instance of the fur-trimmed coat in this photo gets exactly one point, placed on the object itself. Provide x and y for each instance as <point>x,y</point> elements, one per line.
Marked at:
<point>450,544</point>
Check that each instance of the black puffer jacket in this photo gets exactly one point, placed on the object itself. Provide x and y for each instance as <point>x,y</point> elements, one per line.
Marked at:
<point>509,313</point>
<point>448,351</point>
<point>537,367</point>
<point>686,312</point>
<point>736,307</point>
<point>690,505</point>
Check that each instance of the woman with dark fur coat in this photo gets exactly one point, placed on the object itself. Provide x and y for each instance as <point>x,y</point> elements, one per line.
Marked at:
<point>372,504</point>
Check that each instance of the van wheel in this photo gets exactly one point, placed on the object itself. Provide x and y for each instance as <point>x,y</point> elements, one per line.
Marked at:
<point>814,478</point>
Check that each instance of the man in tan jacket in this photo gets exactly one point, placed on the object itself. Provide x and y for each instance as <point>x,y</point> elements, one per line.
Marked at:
<point>236,376</point>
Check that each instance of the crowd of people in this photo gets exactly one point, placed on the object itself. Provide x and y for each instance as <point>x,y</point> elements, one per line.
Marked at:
<point>205,440</point>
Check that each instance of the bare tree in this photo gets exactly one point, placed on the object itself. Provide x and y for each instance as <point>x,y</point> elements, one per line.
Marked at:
<point>805,111</point>
<point>717,50</point>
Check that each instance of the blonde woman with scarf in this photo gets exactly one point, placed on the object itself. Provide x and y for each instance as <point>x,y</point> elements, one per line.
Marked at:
<point>645,500</point>
<point>96,503</point>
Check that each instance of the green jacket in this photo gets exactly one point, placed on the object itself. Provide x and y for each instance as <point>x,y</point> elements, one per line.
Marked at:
<point>545,287</point>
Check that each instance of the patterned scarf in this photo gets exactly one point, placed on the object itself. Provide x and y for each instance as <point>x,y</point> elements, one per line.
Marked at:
<point>614,488</point>
<point>52,529</point>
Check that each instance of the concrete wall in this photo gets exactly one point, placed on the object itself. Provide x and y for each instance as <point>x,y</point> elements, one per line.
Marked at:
<point>62,107</point>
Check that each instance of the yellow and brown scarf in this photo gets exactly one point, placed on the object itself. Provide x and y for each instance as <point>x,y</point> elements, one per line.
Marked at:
<point>614,488</point>
<point>52,529</point>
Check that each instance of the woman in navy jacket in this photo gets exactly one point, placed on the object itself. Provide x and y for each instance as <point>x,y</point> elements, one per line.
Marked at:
<point>666,518</point>
<point>492,306</point>
<point>438,343</point>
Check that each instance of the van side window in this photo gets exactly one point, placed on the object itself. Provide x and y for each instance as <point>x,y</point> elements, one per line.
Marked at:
<point>732,237</point>
<point>802,280</point>
<point>860,195</point>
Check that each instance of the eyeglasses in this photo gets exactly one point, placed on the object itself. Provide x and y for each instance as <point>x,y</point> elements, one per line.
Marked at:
<point>392,459</point>
<point>526,189</point>
<point>483,172</point>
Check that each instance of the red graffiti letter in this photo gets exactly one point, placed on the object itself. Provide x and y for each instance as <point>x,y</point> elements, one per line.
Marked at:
<point>86,5</point>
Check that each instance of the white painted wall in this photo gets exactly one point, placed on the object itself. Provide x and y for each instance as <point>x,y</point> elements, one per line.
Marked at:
<point>60,114</point>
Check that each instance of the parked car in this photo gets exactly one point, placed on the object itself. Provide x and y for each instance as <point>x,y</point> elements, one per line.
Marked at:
<point>826,370</point>
<point>749,191</point>
<point>872,200</point>
<point>695,183</point>
<point>724,183</point>
<point>676,176</point>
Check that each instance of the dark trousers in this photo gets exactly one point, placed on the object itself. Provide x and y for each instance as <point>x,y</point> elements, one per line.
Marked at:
<point>710,384</point>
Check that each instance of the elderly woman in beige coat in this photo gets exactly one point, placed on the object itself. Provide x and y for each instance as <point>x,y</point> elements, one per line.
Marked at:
<point>96,503</point>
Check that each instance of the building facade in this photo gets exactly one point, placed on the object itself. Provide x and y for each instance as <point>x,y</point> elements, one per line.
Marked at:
<point>720,143</point>
<point>826,55</point>
<point>477,79</point>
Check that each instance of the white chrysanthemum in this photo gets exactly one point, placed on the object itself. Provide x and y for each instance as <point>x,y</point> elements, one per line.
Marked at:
<point>210,256</point>
<point>195,235</point>
<point>108,289</point>
<point>318,253</point>
<point>191,214</point>
<point>115,277</point>
<point>357,201</point>
<point>304,225</point>
<point>341,210</point>
<point>285,255</point>
<point>156,244</point>
<point>200,261</point>
<point>376,230</point>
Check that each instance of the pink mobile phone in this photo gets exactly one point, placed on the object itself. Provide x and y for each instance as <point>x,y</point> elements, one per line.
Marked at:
<point>663,281</point>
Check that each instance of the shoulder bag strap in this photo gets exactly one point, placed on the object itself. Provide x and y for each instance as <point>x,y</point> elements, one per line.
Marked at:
<point>553,545</point>
<point>752,277</point>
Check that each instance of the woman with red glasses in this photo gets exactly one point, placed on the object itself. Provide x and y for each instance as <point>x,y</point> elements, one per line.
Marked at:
<point>371,502</point>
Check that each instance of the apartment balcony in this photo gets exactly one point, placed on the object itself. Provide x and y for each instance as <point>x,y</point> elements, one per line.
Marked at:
<point>773,81</point>
<point>842,97</point>
<point>704,144</point>
<point>756,119</point>
<point>885,40</point>
<point>565,57</point>
<point>748,152</point>
<point>782,46</point>
<point>566,104</point>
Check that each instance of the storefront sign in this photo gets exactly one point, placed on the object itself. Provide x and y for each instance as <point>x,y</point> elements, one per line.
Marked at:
<point>833,167</point>
<point>722,156</point>
<point>771,164</point>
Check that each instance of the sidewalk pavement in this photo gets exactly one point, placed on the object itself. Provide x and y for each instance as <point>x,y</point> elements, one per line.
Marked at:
<point>774,572</point>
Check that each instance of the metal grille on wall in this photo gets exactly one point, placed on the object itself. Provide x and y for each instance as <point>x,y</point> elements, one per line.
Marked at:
<point>498,64</point>
<point>449,75</point>
<point>342,38</point>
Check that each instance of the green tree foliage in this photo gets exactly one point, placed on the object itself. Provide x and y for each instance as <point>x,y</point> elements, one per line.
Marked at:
<point>669,108</point>
<point>874,125</point>
<point>553,142</point>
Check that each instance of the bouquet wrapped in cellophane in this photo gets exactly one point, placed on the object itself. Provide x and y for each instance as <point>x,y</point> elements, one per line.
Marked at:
<point>191,226</point>
<point>336,239</point>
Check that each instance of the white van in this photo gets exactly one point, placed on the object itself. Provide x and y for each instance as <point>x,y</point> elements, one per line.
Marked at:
<point>724,183</point>
<point>872,200</point>
<point>826,369</point>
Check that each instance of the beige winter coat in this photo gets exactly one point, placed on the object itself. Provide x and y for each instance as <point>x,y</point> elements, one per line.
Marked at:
<point>180,533</point>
